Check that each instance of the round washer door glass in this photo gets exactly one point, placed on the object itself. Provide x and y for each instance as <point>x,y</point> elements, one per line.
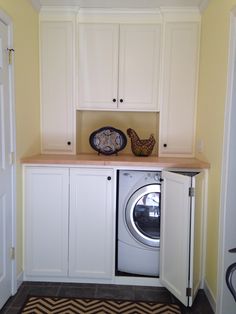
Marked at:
<point>143,215</point>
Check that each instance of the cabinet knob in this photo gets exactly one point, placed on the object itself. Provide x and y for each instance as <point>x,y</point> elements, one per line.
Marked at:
<point>109,178</point>
<point>69,143</point>
<point>121,100</point>
<point>114,100</point>
<point>165,145</point>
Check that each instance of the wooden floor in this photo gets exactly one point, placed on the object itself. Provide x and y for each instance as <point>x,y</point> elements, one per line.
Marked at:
<point>157,294</point>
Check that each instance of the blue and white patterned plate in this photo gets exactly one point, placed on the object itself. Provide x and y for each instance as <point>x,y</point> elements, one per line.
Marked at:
<point>108,140</point>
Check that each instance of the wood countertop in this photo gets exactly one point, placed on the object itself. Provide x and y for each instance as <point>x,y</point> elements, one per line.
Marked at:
<point>120,160</point>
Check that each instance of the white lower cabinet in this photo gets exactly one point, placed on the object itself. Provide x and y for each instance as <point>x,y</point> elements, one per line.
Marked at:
<point>181,234</point>
<point>68,223</point>
<point>91,223</point>
<point>46,221</point>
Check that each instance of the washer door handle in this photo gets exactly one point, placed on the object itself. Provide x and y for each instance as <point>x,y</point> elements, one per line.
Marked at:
<point>232,250</point>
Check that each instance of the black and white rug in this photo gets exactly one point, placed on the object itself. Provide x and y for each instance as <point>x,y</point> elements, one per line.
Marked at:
<point>55,305</point>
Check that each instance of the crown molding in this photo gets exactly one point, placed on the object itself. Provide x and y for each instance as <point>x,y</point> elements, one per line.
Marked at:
<point>135,4</point>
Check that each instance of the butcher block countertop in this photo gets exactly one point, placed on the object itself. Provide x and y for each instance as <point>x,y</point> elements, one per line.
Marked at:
<point>120,160</point>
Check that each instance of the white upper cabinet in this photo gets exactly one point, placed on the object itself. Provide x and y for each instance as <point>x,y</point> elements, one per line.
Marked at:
<point>119,66</point>
<point>57,86</point>
<point>98,66</point>
<point>179,88</point>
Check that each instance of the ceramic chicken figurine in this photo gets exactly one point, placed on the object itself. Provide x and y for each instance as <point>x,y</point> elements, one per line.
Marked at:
<point>141,147</point>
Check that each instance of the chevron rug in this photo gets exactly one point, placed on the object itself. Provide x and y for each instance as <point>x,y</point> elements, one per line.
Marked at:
<point>45,305</point>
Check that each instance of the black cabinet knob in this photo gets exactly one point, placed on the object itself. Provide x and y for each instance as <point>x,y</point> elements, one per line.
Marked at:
<point>165,145</point>
<point>109,178</point>
<point>69,143</point>
<point>114,100</point>
<point>121,100</point>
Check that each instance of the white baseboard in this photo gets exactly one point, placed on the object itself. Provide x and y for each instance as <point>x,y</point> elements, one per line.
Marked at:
<point>19,280</point>
<point>209,296</point>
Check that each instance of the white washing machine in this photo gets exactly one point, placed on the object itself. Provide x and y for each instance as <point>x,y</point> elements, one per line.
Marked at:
<point>139,213</point>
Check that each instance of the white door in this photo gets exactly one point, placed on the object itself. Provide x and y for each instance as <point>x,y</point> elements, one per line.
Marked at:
<point>91,240</point>
<point>139,67</point>
<point>98,66</point>
<point>177,236</point>
<point>57,87</point>
<point>226,300</point>
<point>46,221</point>
<point>6,172</point>
<point>180,69</point>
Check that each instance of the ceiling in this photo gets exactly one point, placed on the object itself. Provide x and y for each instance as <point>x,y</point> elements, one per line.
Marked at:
<point>201,4</point>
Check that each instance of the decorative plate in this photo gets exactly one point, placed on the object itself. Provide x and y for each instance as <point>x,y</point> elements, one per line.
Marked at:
<point>108,140</point>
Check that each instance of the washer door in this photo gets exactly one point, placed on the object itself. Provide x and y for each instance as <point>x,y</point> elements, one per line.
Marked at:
<point>143,215</point>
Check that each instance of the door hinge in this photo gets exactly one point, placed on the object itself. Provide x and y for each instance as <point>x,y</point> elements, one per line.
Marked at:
<point>191,192</point>
<point>10,51</point>
<point>188,292</point>
<point>12,253</point>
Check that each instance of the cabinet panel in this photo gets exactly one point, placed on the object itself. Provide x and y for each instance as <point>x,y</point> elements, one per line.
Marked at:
<point>91,223</point>
<point>139,62</point>
<point>57,81</point>
<point>181,234</point>
<point>46,221</point>
<point>98,66</point>
<point>119,66</point>
<point>180,66</point>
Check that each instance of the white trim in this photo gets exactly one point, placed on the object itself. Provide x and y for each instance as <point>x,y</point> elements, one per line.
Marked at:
<point>210,296</point>
<point>225,160</point>
<point>20,279</point>
<point>8,22</point>
<point>204,229</point>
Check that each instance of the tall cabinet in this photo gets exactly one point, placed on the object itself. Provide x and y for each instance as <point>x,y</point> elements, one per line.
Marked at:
<point>179,86</point>
<point>57,64</point>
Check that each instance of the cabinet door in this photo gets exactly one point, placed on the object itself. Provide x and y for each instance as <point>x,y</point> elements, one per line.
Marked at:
<point>180,68</point>
<point>91,223</point>
<point>57,81</point>
<point>139,65</point>
<point>180,253</point>
<point>98,66</point>
<point>46,221</point>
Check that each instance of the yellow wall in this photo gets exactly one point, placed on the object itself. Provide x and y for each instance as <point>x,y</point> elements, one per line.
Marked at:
<point>144,123</point>
<point>26,68</point>
<point>210,116</point>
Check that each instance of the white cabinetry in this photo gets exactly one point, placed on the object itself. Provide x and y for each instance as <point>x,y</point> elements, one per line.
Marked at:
<point>119,66</point>
<point>46,221</point>
<point>91,253</point>
<point>57,85</point>
<point>179,88</point>
<point>181,234</point>
<point>69,231</point>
